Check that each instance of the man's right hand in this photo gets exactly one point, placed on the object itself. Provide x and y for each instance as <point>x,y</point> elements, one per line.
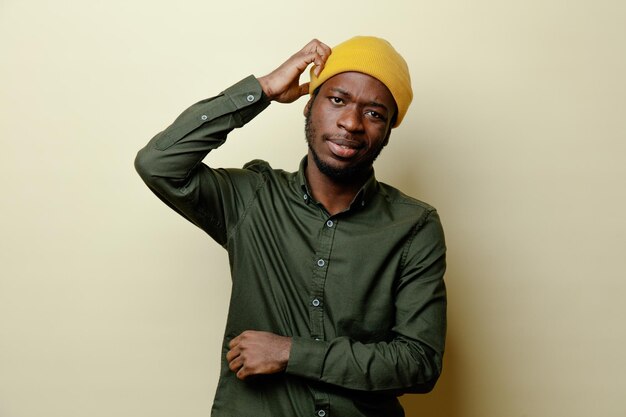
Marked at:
<point>283,84</point>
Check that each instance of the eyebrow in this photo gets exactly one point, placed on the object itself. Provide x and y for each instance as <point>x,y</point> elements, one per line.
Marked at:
<point>347,94</point>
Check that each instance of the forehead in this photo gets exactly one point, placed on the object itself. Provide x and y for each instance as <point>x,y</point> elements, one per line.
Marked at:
<point>361,87</point>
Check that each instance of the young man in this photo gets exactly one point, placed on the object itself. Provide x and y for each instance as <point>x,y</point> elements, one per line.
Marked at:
<point>338,302</point>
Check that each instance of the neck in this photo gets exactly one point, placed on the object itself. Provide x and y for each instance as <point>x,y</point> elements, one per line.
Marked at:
<point>334,195</point>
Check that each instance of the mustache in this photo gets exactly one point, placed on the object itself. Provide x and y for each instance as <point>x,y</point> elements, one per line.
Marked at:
<point>343,140</point>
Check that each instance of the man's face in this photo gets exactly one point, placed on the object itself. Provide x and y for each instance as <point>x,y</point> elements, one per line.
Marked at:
<point>347,124</point>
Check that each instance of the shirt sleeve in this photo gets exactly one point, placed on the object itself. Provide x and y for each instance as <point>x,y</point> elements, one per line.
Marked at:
<point>412,360</point>
<point>171,163</point>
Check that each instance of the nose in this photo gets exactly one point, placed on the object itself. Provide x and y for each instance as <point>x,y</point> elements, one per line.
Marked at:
<point>350,119</point>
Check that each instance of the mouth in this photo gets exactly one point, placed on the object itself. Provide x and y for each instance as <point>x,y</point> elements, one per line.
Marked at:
<point>343,148</point>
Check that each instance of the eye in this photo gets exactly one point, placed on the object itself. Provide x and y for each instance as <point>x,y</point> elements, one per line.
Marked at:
<point>376,115</point>
<point>336,100</point>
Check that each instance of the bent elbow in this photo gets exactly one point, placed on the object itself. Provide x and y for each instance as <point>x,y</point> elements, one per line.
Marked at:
<point>423,386</point>
<point>145,166</point>
<point>426,386</point>
<point>427,374</point>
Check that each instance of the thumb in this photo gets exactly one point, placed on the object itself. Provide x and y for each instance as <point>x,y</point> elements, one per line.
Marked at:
<point>303,89</point>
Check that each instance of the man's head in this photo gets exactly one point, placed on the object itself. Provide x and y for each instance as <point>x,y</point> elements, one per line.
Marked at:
<point>362,93</point>
<point>374,57</point>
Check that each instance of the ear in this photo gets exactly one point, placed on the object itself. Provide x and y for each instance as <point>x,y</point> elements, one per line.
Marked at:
<point>387,137</point>
<point>307,107</point>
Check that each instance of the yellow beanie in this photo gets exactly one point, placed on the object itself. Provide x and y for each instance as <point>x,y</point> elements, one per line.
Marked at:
<point>375,57</point>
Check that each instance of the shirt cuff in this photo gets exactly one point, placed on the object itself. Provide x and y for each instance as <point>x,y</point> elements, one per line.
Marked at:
<point>247,98</point>
<point>306,358</point>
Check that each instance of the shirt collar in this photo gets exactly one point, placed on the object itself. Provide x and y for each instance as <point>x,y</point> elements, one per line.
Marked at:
<point>362,198</point>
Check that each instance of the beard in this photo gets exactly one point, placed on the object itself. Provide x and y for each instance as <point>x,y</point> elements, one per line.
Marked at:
<point>349,174</point>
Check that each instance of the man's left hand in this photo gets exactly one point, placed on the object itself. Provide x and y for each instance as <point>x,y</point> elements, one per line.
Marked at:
<point>258,353</point>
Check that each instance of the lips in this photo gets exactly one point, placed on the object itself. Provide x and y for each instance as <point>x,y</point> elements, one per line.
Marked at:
<point>343,148</point>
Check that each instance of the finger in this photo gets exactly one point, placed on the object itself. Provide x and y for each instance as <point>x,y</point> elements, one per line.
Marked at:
<point>303,89</point>
<point>314,51</point>
<point>313,44</point>
<point>319,66</point>
<point>242,373</point>
<point>320,63</point>
<point>327,49</point>
<point>234,342</point>
<point>303,61</point>
<point>324,51</point>
<point>232,354</point>
<point>236,364</point>
<point>317,44</point>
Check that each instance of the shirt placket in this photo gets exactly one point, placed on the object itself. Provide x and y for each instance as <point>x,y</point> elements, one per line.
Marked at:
<point>322,260</point>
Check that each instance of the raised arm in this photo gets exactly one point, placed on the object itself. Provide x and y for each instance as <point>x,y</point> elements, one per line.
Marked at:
<point>171,163</point>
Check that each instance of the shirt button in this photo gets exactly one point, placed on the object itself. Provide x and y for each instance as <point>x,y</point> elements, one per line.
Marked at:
<point>321,413</point>
<point>321,263</point>
<point>315,302</point>
<point>250,98</point>
<point>329,223</point>
<point>204,117</point>
<point>306,197</point>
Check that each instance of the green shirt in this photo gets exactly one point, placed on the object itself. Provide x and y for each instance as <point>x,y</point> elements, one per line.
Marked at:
<point>361,292</point>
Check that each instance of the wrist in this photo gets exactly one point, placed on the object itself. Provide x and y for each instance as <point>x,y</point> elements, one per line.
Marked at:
<point>285,351</point>
<point>263,81</point>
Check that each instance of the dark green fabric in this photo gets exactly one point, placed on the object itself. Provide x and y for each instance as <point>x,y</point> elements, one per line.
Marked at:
<point>361,293</point>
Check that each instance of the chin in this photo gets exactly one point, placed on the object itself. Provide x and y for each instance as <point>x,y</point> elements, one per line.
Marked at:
<point>340,173</point>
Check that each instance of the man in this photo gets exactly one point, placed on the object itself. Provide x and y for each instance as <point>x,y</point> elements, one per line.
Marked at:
<point>338,302</point>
